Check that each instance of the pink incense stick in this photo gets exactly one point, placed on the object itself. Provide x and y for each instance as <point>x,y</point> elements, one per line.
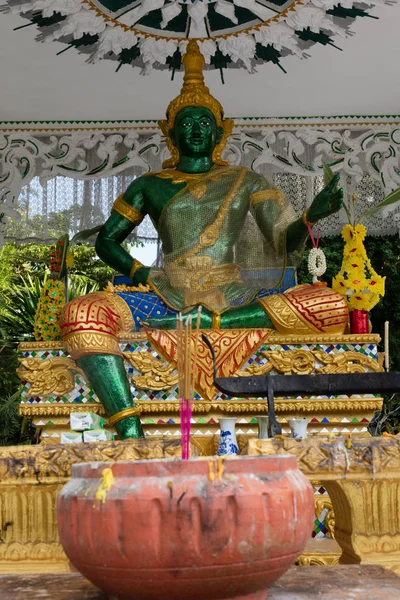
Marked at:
<point>186,416</point>
<point>186,376</point>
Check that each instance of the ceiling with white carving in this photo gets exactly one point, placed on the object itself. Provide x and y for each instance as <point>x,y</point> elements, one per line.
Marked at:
<point>113,59</point>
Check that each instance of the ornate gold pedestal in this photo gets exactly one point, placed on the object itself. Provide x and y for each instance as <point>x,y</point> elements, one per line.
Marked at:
<point>362,477</point>
<point>53,386</point>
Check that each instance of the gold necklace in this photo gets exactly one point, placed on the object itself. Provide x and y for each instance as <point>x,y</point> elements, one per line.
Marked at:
<point>199,190</point>
<point>179,176</point>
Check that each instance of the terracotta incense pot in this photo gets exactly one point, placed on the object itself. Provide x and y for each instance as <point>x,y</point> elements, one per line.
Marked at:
<point>200,529</point>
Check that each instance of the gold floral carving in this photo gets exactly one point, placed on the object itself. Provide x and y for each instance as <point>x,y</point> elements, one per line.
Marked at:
<point>346,362</point>
<point>58,410</point>
<point>156,375</point>
<point>321,406</point>
<point>322,503</point>
<point>323,338</point>
<point>35,346</point>
<point>327,458</point>
<point>49,376</point>
<point>224,406</point>
<point>34,463</point>
<point>287,362</point>
<point>303,362</point>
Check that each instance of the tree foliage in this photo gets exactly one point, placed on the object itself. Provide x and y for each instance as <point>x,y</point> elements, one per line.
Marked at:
<point>23,270</point>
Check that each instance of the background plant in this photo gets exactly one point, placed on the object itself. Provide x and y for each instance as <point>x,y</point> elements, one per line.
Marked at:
<point>23,271</point>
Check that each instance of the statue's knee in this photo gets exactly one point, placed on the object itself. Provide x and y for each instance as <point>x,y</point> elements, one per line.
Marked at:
<point>90,324</point>
<point>306,309</point>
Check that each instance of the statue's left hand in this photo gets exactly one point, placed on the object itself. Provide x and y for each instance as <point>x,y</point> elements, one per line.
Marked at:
<point>327,202</point>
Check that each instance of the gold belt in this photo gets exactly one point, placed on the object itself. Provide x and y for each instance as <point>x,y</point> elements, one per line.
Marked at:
<point>199,274</point>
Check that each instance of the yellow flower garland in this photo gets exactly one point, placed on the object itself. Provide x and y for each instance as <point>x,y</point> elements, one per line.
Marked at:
<point>47,317</point>
<point>357,281</point>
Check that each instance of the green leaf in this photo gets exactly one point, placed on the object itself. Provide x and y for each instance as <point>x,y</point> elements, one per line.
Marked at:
<point>391,199</point>
<point>328,174</point>
<point>64,238</point>
<point>82,236</point>
<point>347,212</point>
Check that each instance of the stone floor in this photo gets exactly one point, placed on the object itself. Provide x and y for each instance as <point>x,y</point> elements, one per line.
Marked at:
<point>352,582</point>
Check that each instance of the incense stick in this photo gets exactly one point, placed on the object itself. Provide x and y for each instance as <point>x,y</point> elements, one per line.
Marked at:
<point>196,346</point>
<point>186,375</point>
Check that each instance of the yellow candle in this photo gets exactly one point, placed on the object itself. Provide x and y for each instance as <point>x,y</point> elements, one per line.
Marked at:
<point>387,345</point>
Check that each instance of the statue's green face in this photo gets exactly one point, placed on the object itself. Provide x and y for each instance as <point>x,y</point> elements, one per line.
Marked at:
<point>195,132</point>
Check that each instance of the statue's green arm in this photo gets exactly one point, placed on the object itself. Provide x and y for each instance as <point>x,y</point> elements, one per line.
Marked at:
<point>326,203</point>
<point>267,209</point>
<point>127,213</point>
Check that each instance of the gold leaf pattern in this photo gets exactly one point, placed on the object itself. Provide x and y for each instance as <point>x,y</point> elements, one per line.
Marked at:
<point>156,375</point>
<point>232,348</point>
<point>305,362</point>
<point>50,376</point>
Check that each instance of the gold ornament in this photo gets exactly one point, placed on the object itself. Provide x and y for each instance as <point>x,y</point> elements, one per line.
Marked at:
<point>122,207</point>
<point>195,93</point>
<point>47,316</point>
<point>82,343</point>
<point>126,288</point>
<point>304,362</point>
<point>49,376</point>
<point>357,281</point>
<point>90,324</point>
<point>325,559</point>
<point>156,374</point>
<point>135,266</point>
<point>198,181</point>
<point>123,414</point>
<point>304,218</point>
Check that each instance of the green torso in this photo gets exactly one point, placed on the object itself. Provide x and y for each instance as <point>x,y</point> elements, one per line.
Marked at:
<point>181,210</point>
<point>199,219</point>
<point>157,194</point>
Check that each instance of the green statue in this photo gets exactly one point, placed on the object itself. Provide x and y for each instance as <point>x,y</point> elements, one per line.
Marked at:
<point>203,210</point>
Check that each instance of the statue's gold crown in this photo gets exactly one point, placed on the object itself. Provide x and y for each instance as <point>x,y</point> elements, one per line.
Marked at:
<point>195,93</point>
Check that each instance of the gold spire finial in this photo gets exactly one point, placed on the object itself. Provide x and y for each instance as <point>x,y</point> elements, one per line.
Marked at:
<point>194,92</point>
<point>193,62</point>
